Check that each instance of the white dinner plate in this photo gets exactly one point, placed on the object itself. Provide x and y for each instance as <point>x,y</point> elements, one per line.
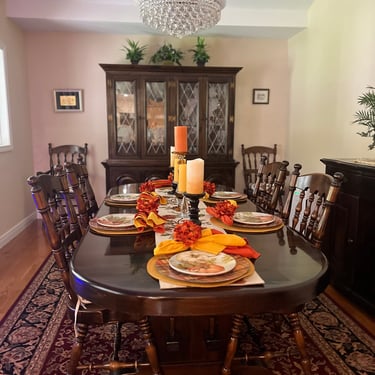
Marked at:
<point>253,218</point>
<point>116,220</point>
<point>201,263</point>
<point>226,195</point>
<point>125,197</point>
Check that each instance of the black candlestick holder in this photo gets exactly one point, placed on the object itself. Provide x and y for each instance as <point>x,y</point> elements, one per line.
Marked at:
<point>174,187</point>
<point>194,210</point>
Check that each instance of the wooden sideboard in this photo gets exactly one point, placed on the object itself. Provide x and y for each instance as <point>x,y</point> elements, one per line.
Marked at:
<point>146,102</point>
<point>351,245</point>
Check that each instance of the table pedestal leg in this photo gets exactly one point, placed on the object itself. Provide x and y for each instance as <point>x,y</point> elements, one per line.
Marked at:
<point>232,344</point>
<point>150,346</point>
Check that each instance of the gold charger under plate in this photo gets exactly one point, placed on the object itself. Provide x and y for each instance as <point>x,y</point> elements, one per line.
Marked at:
<point>108,231</point>
<point>158,267</point>
<point>210,200</point>
<point>262,228</point>
<point>112,203</point>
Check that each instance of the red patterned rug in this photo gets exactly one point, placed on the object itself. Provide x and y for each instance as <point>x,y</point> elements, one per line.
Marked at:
<point>36,336</point>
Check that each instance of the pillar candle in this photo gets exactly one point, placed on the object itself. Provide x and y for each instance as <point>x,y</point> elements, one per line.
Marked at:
<point>194,176</point>
<point>172,157</point>
<point>180,139</point>
<point>175,170</point>
<point>181,178</point>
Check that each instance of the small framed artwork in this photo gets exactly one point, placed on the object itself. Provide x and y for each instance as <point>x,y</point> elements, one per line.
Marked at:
<point>261,96</point>
<point>68,100</point>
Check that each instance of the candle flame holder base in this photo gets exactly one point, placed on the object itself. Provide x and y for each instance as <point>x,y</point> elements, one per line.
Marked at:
<point>194,210</point>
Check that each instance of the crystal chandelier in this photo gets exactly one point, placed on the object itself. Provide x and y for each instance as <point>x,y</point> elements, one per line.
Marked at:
<point>180,18</point>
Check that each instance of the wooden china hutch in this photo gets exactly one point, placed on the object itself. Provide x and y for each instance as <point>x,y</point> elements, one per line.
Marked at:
<point>145,103</point>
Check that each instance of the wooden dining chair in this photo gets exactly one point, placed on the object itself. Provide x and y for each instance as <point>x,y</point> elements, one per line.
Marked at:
<point>64,231</point>
<point>268,190</point>
<point>78,177</point>
<point>58,155</point>
<point>309,202</point>
<point>251,157</point>
<point>307,208</point>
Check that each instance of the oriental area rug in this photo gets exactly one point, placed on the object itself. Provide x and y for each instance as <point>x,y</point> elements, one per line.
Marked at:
<point>36,336</point>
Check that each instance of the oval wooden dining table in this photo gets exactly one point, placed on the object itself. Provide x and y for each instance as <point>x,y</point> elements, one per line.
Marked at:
<point>111,271</point>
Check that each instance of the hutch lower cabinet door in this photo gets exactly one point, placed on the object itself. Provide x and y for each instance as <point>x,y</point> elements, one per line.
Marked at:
<point>145,103</point>
<point>351,246</point>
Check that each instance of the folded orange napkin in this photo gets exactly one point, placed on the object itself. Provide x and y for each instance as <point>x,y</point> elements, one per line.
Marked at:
<point>152,220</point>
<point>153,184</point>
<point>147,216</point>
<point>246,251</point>
<point>162,183</point>
<point>223,210</point>
<point>211,241</point>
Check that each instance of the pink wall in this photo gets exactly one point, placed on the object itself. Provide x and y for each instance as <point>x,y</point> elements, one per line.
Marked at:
<point>71,60</point>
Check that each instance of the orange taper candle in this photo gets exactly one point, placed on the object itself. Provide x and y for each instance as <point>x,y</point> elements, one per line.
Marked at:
<point>180,139</point>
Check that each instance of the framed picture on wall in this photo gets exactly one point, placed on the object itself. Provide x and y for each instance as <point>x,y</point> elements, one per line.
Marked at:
<point>261,96</point>
<point>68,100</point>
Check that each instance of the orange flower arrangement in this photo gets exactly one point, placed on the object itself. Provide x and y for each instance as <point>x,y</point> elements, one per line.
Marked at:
<point>148,202</point>
<point>224,211</point>
<point>209,187</point>
<point>187,232</point>
<point>147,186</point>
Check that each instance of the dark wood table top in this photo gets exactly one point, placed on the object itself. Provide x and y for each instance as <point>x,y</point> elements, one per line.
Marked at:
<point>111,271</point>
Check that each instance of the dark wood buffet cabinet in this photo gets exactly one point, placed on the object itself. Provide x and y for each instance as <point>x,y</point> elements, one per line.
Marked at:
<point>146,102</point>
<point>351,246</point>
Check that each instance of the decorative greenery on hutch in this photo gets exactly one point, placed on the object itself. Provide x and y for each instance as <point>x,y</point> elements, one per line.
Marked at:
<point>200,55</point>
<point>166,53</point>
<point>366,117</point>
<point>134,52</point>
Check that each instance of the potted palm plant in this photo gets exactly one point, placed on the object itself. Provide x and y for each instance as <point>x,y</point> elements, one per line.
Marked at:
<point>200,55</point>
<point>167,54</point>
<point>134,52</point>
<point>366,116</point>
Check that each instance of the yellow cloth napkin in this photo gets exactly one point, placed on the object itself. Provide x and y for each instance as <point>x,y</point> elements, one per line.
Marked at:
<point>153,220</point>
<point>212,243</point>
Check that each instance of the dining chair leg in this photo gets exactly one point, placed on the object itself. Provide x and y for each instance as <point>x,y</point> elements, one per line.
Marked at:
<point>237,321</point>
<point>150,346</point>
<point>300,341</point>
<point>81,331</point>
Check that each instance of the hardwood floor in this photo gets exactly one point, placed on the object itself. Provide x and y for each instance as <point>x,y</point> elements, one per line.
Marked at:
<point>22,257</point>
<point>20,260</point>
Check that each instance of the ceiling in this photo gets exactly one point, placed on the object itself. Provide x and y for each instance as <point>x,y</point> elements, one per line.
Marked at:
<point>279,19</point>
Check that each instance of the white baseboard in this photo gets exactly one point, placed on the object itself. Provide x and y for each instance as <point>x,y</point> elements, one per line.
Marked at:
<point>17,229</point>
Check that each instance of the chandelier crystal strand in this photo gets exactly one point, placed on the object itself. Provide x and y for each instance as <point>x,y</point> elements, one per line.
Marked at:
<point>180,18</point>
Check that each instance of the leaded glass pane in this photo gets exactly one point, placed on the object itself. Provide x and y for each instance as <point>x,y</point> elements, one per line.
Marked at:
<point>188,112</point>
<point>156,137</point>
<point>217,129</point>
<point>126,120</point>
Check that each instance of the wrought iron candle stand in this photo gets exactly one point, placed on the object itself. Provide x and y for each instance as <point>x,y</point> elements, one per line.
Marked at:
<point>194,210</point>
<point>174,187</point>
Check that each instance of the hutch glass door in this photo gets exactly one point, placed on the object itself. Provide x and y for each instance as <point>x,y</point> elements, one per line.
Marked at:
<point>126,119</point>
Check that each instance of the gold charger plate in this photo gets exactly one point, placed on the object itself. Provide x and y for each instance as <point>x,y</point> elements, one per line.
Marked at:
<point>158,267</point>
<point>236,227</point>
<point>112,203</point>
<point>210,200</point>
<point>107,231</point>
